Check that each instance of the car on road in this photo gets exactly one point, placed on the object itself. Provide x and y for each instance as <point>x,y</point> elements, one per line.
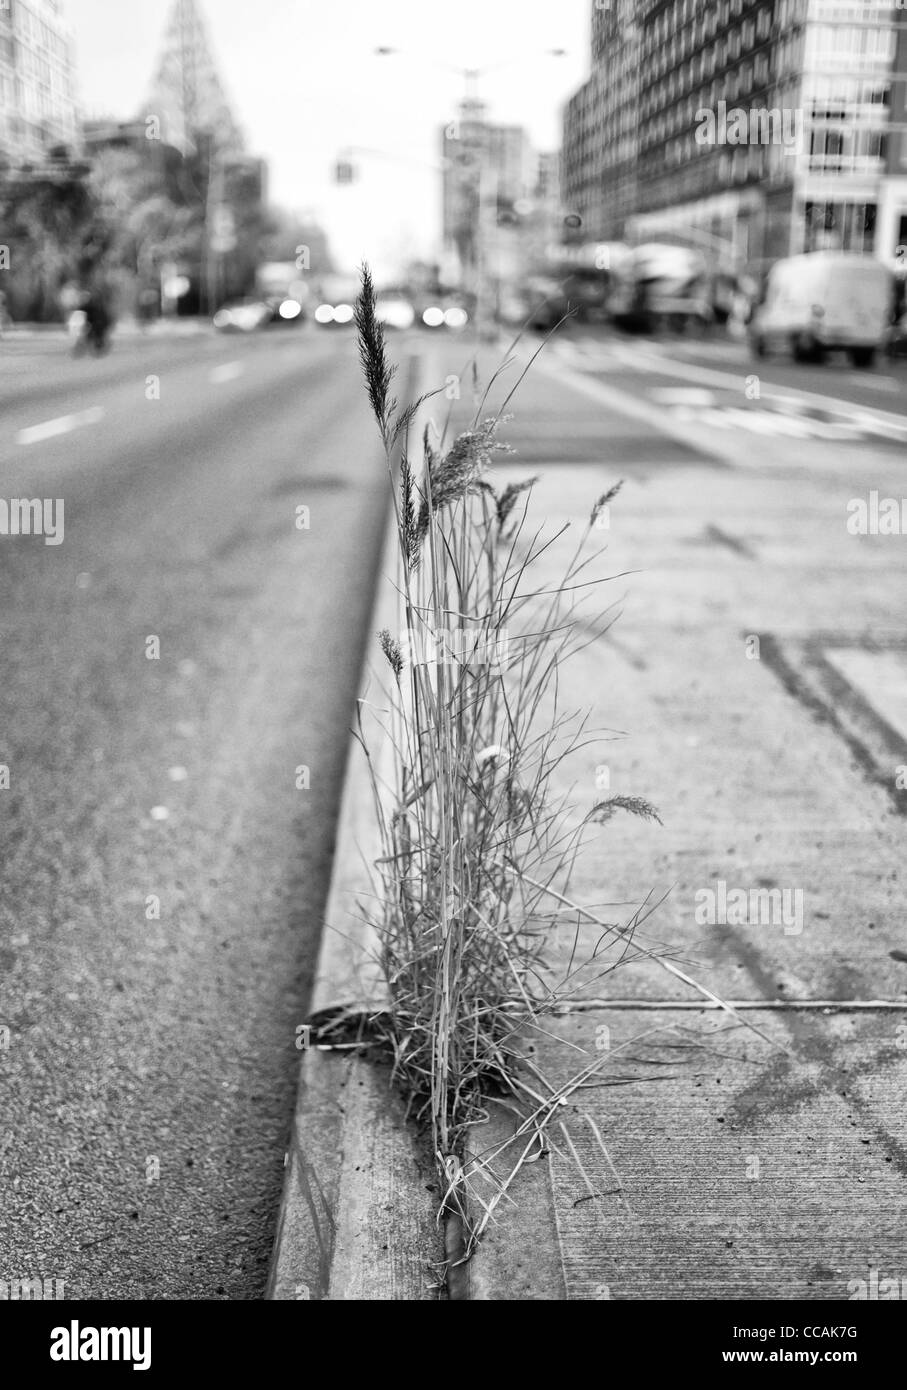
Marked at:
<point>286,310</point>
<point>394,309</point>
<point>336,302</point>
<point>541,304</point>
<point>342,315</point>
<point>243,316</point>
<point>443,310</point>
<point>825,301</point>
<point>280,285</point>
<point>661,286</point>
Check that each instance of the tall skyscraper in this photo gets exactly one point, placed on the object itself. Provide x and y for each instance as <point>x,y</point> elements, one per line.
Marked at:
<point>38,109</point>
<point>187,96</point>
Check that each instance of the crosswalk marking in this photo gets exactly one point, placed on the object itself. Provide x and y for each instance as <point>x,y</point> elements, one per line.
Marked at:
<point>693,405</point>
<point>841,421</point>
<point>767,422</point>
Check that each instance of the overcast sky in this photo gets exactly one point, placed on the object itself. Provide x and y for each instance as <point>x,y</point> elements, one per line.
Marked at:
<point>304,84</point>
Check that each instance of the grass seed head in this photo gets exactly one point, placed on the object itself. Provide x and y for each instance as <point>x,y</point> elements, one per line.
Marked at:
<point>392,652</point>
<point>605,500</point>
<point>378,372</point>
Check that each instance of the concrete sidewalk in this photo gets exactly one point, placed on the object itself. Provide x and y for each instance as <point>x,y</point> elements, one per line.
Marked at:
<point>714,1163</point>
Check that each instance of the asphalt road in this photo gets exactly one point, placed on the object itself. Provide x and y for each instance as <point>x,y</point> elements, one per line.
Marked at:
<point>150,1066</point>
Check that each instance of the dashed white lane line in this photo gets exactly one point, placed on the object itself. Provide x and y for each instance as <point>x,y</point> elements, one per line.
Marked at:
<point>64,424</point>
<point>227,371</point>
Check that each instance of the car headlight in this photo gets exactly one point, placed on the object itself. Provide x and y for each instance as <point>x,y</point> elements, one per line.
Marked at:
<point>433,318</point>
<point>396,315</point>
<point>324,313</point>
<point>456,318</point>
<point>343,313</point>
<point>290,309</point>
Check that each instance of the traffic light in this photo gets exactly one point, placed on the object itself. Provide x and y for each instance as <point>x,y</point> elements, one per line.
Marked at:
<point>514,212</point>
<point>507,216</point>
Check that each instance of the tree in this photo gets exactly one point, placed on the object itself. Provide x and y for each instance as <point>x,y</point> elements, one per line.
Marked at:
<point>49,220</point>
<point>152,215</point>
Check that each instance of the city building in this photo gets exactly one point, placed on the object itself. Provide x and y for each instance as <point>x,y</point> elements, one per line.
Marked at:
<point>601,127</point>
<point>750,128</point>
<point>892,219</point>
<point>38,110</point>
<point>489,174</point>
<point>699,61</point>
<point>836,64</point>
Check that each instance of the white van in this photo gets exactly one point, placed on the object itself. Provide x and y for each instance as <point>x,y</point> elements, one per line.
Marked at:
<point>825,302</point>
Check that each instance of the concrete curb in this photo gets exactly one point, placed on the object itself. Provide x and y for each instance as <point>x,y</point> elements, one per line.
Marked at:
<point>357,1219</point>
<point>519,1257</point>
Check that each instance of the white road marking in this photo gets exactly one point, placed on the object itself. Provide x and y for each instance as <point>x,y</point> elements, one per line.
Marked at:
<point>795,425</point>
<point>50,429</point>
<point>692,406</point>
<point>867,420</point>
<point>880,677</point>
<point>761,422</point>
<point>227,371</point>
<point>682,395</point>
<point>864,418</point>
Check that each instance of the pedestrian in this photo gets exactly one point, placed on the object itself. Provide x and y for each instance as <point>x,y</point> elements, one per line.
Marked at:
<point>98,321</point>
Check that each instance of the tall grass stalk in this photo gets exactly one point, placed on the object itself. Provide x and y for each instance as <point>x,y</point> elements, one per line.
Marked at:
<point>477,847</point>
